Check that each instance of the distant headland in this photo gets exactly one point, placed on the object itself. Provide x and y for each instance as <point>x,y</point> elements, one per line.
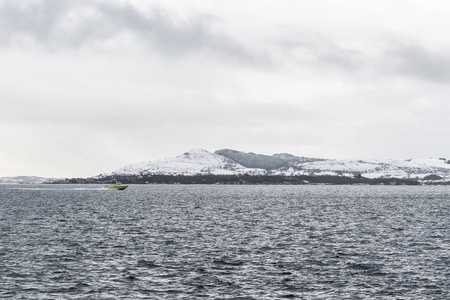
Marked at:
<point>235,167</point>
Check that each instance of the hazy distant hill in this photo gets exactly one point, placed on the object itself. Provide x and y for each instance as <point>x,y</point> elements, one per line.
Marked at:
<point>24,180</point>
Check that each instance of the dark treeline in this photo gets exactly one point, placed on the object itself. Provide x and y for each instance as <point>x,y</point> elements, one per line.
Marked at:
<point>238,179</point>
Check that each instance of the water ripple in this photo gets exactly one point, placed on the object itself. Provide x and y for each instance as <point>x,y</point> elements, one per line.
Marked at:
<point>224,242</point>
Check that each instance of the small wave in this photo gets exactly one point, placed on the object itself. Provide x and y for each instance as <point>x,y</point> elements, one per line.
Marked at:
<point>365,267</point>
<point>131,277</point>
<point>78,287</point>
<point>228,261</point>
<point>147,264</point>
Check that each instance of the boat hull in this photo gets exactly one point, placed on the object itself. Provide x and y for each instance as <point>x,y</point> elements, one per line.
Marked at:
<point>116,187</point>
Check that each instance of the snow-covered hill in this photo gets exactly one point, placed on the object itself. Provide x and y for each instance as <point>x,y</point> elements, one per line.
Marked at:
<point>408,168</point>
<point>190,163</point>
<point>231,162</point>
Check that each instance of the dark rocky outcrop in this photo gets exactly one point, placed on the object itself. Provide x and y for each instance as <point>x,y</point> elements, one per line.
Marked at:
<point>252,160</point>
<point>261,161</point>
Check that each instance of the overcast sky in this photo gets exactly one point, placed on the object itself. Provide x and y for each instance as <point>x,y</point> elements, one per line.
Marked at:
<point>87,87</point>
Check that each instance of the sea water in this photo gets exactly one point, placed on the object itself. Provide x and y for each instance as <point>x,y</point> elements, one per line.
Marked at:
<point>224,242</point>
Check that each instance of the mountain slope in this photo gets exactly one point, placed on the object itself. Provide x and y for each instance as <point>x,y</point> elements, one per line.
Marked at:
<point>252,160</point>
<point>193,162</point>
<point>261,161</point>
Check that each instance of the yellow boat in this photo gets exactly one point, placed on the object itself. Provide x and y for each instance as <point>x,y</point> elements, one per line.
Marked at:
<point>117,186</point>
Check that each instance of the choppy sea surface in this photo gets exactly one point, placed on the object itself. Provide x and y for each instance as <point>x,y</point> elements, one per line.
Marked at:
<point>224,242</point>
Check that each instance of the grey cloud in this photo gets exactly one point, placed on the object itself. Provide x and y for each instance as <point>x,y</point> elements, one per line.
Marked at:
<point>405,59</point>
<point>413,60</point>
<point>37,20</point>
<point>51,23</point>
<point>320,51</point>
<point>193,35</point>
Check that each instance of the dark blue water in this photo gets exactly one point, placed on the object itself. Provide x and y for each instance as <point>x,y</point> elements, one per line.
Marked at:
<point>224,242</point>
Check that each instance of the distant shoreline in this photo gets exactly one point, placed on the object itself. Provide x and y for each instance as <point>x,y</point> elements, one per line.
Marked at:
<point>244,180</point>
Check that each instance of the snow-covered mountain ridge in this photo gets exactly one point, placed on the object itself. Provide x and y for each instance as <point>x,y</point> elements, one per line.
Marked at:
<point>231,162</point>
